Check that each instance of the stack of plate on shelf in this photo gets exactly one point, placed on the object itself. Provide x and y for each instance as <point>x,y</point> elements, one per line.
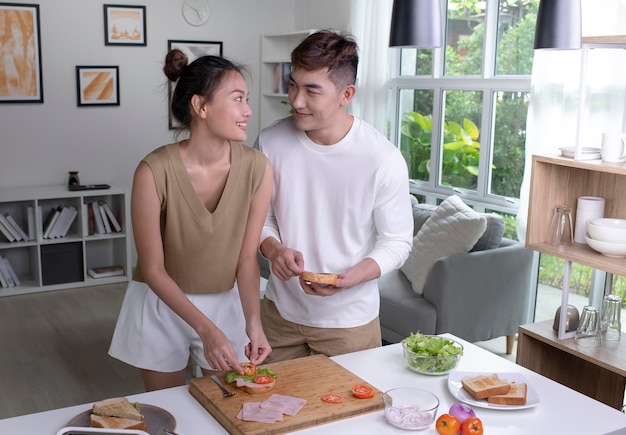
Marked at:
<point>586,153</point>
<point>607,236</point>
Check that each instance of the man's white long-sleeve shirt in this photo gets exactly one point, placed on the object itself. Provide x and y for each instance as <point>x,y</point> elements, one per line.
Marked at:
<point>337,204</point>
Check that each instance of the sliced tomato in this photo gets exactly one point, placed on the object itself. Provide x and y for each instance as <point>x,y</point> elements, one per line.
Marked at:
<point>263,379</point>
<point>332,398</point>
<point>361,391</point>
<point>249,369</point>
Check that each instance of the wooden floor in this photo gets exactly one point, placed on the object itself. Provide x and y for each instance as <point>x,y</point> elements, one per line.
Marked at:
<point>53,350</point>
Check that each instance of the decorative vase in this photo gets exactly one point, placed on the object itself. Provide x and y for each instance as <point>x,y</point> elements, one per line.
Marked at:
<point>73,179</point>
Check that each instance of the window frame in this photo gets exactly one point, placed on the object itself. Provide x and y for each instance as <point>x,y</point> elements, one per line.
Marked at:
<point>487,83</point>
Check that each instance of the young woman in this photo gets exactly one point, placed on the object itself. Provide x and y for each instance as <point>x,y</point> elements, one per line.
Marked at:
<point>198,207</point>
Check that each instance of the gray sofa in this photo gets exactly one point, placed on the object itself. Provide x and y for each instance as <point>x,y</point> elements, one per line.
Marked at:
<point>478,295</point>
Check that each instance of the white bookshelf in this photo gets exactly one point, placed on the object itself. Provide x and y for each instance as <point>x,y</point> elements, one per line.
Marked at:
<point>275,53</point>
<point>61,263</point>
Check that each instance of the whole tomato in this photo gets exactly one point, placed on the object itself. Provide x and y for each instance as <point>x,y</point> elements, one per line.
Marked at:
<point>472,426</point>
<point>448,425</point>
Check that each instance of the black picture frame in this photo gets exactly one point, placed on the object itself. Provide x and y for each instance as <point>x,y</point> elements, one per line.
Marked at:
<point>21,71</point>
<point>97,85</point>
<point>125,25</point>
<point>193,50</point>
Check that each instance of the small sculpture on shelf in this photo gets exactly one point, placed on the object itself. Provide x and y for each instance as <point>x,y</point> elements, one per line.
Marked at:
<point>73,179</point>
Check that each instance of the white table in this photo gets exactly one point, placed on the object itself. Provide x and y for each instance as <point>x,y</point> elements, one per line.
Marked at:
<point>560,411</point>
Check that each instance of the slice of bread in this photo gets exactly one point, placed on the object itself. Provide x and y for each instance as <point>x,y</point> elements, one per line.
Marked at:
<point>515,396</point>
<point>252,388</point>
<point>116,423</point>
<point>483,386</point>
<point>117,407</point>
<point>320,278</point>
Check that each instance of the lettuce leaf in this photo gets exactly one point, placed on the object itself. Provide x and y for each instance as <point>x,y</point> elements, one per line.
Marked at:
<point>231,376</point>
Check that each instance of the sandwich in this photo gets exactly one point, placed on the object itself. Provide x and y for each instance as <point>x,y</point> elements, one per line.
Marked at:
<point>116,423</point>
<point>515,396</point>
<point>483,386</point>
<point>254,380</point>
<point>320,278</point>
<point>116,413</point>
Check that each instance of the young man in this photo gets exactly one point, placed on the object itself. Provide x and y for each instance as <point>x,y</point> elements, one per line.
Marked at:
<point>340,205</point>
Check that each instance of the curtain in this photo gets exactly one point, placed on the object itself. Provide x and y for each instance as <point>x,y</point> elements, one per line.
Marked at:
<point>370,21</point>
<point>553,120</point>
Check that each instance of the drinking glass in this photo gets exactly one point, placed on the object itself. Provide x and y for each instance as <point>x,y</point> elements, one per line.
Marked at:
<point>561,233</point>
<point>588,332</point>
<point>610,324</point>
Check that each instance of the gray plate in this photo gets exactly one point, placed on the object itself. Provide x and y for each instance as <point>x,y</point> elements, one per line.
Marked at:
<point>155,418</point>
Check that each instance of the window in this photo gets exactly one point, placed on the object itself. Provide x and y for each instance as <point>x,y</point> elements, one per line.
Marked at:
<point>460,111</point>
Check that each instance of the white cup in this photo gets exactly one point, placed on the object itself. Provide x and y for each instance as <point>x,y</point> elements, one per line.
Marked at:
<point>588,207</point>
<point>613,147</point>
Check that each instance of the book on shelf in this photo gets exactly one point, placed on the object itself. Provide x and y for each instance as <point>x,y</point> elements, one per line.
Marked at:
<point>4,221</point>
<point>17,227</point>
<point>30,215</point>
<point>7,278</point>
<point>97,217</point>
<point>5,231</point>
<point>105,220</point>
<point>62,225</point>
<point>51,219</point>
<point>109,213</point>
<point>105,271</point>
<point>10,269</point>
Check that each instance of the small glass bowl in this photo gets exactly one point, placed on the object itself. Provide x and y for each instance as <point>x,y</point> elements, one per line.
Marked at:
<point>410,408</point>
<point>431,365</point>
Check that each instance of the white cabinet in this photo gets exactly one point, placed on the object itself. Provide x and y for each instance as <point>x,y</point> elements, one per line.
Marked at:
<point>275,67</point>
<point>43,264</point>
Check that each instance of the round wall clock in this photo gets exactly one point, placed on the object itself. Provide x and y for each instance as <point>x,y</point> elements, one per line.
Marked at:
<point>196,12</point>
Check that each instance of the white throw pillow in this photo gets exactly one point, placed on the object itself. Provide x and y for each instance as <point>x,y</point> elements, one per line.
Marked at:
<point>453,228</point>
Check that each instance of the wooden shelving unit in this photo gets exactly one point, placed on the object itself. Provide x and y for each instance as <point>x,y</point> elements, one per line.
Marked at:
<point>76,252</point>
<point>598,372</point>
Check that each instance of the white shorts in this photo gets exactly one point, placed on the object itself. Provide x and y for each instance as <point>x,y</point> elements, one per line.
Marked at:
<point>149,335</point>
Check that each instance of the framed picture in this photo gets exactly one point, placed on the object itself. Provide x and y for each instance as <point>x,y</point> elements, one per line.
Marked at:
<point>124,25</point>
<point>193,50</point>
<point>98,85</point>
<point>20,48</point>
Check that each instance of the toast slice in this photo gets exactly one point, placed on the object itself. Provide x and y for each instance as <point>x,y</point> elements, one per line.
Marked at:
<point>116,423</point>
<point>483,386</point>
<point>515,396</point>
<point>117,407</point>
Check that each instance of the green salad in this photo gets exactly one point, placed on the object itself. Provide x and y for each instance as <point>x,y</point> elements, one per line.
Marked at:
<point>422,347</point>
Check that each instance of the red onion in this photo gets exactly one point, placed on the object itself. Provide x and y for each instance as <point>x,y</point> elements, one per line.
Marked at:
<point>462,411</point>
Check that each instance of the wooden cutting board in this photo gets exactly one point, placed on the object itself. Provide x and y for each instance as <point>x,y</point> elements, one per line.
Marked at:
<point>306,378</point>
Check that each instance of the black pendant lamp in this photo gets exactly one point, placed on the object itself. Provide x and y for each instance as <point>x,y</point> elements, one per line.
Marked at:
<point>416,23</point>
<point>559,25</point>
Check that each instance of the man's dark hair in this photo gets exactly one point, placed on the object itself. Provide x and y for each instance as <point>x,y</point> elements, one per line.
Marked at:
<point>330,50</point>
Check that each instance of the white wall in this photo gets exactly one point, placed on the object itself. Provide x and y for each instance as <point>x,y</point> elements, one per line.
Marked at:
<point>39,143</point>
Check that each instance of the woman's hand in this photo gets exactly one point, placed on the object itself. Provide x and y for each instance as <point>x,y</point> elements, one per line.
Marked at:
<point>219,352</point>
<point>259,348</point>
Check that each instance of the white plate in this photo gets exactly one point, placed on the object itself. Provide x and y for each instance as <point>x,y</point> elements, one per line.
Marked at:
<point>587,153</point>
<point>457,390</point>
<point>608,249</point>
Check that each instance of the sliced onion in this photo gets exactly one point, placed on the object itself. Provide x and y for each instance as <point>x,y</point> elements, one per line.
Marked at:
<point>462,411</point>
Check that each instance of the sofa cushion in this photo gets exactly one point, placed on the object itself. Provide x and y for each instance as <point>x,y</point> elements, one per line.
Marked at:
<point>453,228</point>
<point>490,239</point>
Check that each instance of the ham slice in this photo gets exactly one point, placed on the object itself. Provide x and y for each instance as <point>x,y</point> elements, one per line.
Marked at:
<point>252,411</point>
<point>284,404</point>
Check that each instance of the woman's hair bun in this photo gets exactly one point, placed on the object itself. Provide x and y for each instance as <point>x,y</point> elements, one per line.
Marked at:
<point>175,61</point>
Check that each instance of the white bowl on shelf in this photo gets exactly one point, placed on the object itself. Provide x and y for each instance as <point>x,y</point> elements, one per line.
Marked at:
<point>610,230</point>
<point>614,250</point>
